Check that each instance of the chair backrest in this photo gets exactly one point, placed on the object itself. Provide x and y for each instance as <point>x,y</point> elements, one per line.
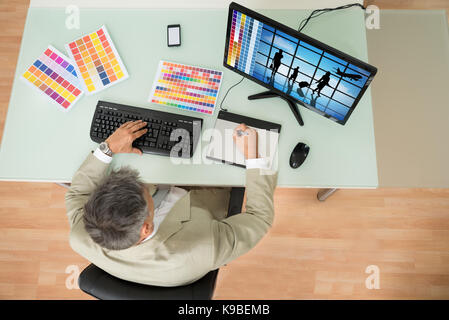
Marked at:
<point>102,285</point>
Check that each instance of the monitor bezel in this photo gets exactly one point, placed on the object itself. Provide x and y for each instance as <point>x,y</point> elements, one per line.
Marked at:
<point>300,36</point>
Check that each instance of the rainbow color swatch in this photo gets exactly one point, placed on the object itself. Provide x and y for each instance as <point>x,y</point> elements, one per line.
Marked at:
<point>54,75</point>
<point>97,61</point>
<point>186,87</point>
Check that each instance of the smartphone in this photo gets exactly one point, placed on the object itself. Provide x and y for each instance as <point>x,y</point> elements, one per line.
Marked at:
<point>174,35</point>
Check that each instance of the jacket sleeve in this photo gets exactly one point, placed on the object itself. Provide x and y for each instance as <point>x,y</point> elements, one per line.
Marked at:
<point>84,182</point>
<point>237,234</point>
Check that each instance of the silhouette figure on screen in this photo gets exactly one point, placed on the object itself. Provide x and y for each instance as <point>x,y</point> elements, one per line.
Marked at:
<point>294,75</point>
<point>324,81</point>
<point>276,62</point>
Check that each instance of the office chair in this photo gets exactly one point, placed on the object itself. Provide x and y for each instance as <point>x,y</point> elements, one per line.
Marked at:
<point>101,285</point>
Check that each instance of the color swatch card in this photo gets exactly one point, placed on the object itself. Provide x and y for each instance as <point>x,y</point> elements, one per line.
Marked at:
<point>186,87</point>
<point>97,61</point>
<point>54,75</point>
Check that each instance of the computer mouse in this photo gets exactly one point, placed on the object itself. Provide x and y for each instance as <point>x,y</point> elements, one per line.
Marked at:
<point>299,154</point>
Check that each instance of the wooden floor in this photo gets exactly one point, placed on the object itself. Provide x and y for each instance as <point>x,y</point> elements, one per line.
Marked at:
<point>314,250</point>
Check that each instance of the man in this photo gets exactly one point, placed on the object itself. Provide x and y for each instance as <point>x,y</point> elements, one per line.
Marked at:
<point>116,225</point>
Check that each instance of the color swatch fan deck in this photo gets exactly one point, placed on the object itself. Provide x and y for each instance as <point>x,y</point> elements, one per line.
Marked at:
<point>97,61</point>
<point>54,75</point>
<point>186,87</point>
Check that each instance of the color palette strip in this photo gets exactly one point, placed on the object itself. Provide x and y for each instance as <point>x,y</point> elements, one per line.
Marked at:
<point>186,87</point>
<point>54,75</point>
<point>97,61</point>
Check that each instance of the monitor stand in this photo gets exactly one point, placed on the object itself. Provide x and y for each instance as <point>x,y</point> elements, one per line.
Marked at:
<point>272,94</point>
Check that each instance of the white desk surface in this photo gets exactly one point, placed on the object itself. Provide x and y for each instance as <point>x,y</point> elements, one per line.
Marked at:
<point>41,143</point>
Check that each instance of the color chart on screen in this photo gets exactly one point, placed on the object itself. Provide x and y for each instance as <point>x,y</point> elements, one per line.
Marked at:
<point>186,87</point>
<point>54,75</point>
<point>243,42</point>
<point>97,61</point>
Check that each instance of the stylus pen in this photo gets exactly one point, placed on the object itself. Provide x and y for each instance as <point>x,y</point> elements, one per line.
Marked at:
<point>242,133</point>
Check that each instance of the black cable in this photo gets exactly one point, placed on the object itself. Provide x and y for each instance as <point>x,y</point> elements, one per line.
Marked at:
<point>228,92</point>
<point>318,12</point>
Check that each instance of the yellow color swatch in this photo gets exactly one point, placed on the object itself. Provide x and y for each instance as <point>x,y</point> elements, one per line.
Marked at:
<point>59,89</point>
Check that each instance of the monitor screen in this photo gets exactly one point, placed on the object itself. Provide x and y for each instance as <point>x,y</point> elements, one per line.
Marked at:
<point>290,63</point>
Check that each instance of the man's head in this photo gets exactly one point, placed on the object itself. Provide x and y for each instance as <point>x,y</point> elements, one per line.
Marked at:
<point>119,213</point>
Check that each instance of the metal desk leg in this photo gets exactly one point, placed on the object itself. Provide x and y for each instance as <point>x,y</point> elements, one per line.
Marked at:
<point>323,194</point>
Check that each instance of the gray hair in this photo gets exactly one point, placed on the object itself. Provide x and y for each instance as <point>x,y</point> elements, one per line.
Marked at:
<point>116,210</point>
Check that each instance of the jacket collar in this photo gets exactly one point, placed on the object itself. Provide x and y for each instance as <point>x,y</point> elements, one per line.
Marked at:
<point>178,214</point>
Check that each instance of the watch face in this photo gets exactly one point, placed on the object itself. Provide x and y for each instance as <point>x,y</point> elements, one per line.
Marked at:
<point>105,148</point>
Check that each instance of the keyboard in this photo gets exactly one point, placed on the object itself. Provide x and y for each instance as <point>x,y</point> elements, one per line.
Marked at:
<point>168,133</point>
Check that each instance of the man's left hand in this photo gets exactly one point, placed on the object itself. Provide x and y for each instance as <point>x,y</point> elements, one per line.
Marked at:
<point>122,139</point>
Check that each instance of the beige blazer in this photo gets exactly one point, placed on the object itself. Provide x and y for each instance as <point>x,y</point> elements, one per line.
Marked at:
<point>194,238</point>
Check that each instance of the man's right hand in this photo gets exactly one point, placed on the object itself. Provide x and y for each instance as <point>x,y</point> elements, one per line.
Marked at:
<point>247,142</point>
<point>122,139</point>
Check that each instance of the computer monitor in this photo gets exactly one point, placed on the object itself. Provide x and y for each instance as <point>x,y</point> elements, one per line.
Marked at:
<point>294,66</point>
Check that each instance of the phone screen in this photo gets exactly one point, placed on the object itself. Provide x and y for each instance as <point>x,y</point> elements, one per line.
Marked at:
<point>174,35</point>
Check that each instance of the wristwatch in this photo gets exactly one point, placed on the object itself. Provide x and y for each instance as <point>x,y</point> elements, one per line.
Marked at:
<point>105,148</point>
